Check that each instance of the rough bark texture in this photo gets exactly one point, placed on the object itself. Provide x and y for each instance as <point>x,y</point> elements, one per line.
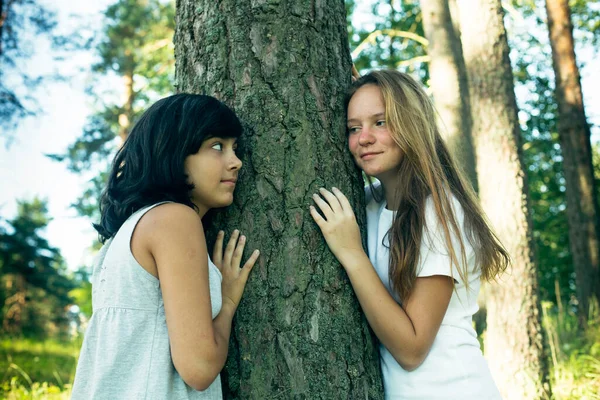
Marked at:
<point>514,343</point>
<point>284,67</point>
<point>449,82</point>
<point>574,134</point>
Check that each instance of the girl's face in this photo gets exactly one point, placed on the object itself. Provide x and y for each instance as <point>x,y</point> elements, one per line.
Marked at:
<point>369,139</point>
<point>213,171</point>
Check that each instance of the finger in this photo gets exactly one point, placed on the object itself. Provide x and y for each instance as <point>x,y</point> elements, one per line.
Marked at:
<point>344,203</point>
<point>218,249</point>
<point>239,250</point>
<point>333,201</point>
<point>317,217</point>
<point>323,206</point>
<point>250,262</point>
<point>230,247</point>
<point>355,73</point>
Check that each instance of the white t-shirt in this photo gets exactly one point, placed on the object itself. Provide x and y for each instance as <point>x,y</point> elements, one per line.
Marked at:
<point>455,367</point>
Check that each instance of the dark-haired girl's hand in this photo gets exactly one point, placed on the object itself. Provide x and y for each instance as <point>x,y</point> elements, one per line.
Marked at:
<point>228,261</point>
<point>355,73</point>
<point>338,225</point>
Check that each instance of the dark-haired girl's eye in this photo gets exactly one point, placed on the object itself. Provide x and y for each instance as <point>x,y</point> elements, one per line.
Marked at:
<point>217,146</point>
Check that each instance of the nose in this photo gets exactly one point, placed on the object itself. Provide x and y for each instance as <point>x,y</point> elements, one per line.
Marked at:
<point>365,137</point>
<point>234,162</point>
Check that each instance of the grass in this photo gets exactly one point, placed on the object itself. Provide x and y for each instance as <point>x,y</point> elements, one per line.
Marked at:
<point>33,369</point>
<point>574,356</point>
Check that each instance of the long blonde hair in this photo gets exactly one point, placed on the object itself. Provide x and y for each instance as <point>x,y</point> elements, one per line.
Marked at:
<point>428,170</point>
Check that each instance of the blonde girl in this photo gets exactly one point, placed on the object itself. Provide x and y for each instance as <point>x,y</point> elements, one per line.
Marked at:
<point>429,244</point>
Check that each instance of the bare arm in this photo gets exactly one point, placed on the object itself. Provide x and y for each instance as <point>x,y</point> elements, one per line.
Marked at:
<point>175,238</point>
<point>407,332</point>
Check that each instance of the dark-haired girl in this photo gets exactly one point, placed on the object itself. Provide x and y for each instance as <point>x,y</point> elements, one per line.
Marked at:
<point>429,244</point>
<point>162,309</point>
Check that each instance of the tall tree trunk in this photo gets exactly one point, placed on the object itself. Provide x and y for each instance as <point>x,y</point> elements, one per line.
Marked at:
<point>449,82</point>
<point>574,133</point>
<point>455,17</point>
<point>284,68</point>
<point>128,99</point>
<point>514,343</point>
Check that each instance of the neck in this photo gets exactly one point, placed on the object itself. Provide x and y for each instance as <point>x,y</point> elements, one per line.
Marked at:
<point>389,185</point>
<point>201,209</point>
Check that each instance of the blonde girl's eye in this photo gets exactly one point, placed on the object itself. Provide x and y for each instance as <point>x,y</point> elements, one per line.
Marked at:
<point>352,129</point>
<point>381,122</point>
<point>217,146</point>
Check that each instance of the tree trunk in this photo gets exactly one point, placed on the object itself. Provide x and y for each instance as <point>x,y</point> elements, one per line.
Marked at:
<point>574,133</point>
<point>284,67</point>
<point>449,82</point>
<point>514,343</point>
<point>455,18</point>
<point>128,99</point>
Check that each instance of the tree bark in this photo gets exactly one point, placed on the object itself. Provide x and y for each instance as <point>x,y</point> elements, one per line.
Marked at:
<point>574,134</point>
<point>514,342</point>
<point>449,82</point>
<point>284,68</point>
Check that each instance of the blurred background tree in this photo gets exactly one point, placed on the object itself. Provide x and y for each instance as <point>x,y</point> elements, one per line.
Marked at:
<point>20,22</point>
<point>136,52</point>
<point>34,281</point>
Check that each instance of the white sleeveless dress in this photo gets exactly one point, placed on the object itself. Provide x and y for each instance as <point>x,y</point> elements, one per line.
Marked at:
<point>125,352</point>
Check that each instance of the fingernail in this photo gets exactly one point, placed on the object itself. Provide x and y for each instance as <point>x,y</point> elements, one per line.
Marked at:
<point>334,188</point>
<point>243,238</point>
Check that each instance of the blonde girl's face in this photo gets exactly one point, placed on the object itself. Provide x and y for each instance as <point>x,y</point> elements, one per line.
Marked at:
<point>213,171</point>
<point>369,138</point>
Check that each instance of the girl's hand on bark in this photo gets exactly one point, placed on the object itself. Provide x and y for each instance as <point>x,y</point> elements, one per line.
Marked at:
<point>228,262</point>
<point>338,224</point>
<point>355,74</point>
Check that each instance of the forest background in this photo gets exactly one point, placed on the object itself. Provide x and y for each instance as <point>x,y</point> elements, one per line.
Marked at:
<point>121,60</point>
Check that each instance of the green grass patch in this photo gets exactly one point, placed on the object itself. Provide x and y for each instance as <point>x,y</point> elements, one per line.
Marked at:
<point>34,369</point>
<point>574,355</point>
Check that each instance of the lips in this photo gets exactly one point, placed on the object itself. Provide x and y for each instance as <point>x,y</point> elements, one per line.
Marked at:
<point>369,155</point>
<point>229,181</point>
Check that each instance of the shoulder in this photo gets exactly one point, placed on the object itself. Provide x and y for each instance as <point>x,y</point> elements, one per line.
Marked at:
<point>431,216</point>
<point>170,210</point>
<point>171,220</point>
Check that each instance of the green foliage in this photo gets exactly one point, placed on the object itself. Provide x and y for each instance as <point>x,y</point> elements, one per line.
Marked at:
<point>585,15</point>
<point>16,18</point>
<point>138,40</point>
<point>33,369</point>
<point>82,296</point>
<point>136,50</point>
<point>575,357</point>
<point>34,284</point>
<point>393,38</point>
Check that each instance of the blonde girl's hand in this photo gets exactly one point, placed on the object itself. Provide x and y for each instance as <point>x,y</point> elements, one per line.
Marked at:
<point>338,225</point>
<point>228,261</point>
